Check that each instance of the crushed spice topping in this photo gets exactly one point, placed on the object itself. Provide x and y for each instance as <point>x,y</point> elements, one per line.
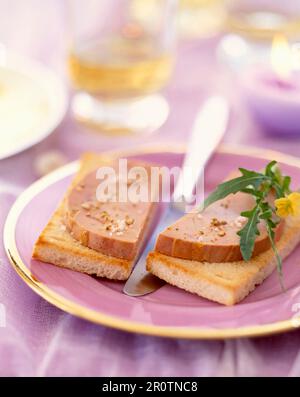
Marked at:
<point>129,221</point>
<point>216,222</point>
<point>86,205</point>
<point>224,205</point>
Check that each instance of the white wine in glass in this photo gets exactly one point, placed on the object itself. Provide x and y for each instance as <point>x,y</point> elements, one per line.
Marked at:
<point>118,70</point>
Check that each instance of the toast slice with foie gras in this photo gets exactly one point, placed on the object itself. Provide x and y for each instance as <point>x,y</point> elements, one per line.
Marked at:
<point>202,254</point>
<point>226,283</point>
<point>212,234</point>
<point>102,238</point>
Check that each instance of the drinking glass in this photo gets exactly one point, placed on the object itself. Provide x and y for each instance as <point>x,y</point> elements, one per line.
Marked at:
<point>119,59</point>
<point>201,18</point>
<point>262,20</point>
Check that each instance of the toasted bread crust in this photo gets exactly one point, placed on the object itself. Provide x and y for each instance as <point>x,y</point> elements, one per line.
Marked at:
<point>226,283</point>
<point>55,244</point>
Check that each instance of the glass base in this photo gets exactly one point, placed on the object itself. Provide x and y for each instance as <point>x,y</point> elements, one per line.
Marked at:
<point>121,117</point>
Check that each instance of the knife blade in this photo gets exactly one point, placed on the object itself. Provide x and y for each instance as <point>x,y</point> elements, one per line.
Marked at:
<point>208,130</point>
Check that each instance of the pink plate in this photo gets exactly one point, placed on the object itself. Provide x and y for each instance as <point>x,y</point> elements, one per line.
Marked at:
<point>168,311</point>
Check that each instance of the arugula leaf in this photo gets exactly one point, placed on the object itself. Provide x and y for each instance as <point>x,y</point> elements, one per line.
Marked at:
<point>259,185</point>
<point>253,192</point>
<point>249,178</point>
<point>286,184</point>
<point>266,214</point>
<point>249,173</point>
<point>269,170</point>
<point>249,232</point>
<point>278,189</point>
<point>280,183</point>
<point>271,234</point>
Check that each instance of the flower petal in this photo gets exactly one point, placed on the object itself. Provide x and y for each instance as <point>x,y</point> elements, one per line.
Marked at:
<point>295,203</point>
<point>283,207</point>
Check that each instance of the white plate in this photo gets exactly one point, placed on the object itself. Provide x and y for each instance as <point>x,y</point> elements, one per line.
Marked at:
<point>33,102</point>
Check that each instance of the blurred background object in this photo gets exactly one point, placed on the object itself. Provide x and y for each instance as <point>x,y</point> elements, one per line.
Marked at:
<point>121,54</point>
<point>32,102</point>
<point>251,26</point>
<point>212,56</point>
<point>48,161</point>
<point>201,18</point>
<point>262,19</point>
<point>272,90</point>
<point>118,61</point>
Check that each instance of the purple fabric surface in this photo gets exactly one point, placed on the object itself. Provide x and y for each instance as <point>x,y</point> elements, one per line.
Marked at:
<point>39,339</point>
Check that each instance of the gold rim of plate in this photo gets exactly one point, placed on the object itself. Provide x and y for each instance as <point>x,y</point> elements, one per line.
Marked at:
<point>115,322</point>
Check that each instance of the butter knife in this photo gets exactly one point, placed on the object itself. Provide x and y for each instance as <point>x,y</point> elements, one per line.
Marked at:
<point>208,129</point>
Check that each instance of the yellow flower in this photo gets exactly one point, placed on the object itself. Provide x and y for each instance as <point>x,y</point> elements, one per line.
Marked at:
<point>289,205</point>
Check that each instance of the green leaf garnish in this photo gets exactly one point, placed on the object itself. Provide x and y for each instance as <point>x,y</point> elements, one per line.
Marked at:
<point>270,230</point>
<point>249,232</point>
<point>270,169</point>
<point>259,185</point>
<point>286,184</point>
<point>249,178</point>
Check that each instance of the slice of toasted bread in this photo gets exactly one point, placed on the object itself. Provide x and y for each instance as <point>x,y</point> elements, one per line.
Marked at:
<point>226,283</point>
<point>55,245</point>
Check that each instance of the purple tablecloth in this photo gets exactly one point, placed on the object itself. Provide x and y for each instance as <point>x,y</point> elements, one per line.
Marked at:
<point>39,339</point>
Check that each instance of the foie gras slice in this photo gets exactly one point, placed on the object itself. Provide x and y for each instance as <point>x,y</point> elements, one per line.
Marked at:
<point>211,236</point>
<point>111,227</point>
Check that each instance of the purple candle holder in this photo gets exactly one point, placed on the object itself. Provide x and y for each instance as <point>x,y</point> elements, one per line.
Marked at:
<point>275,103</point>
